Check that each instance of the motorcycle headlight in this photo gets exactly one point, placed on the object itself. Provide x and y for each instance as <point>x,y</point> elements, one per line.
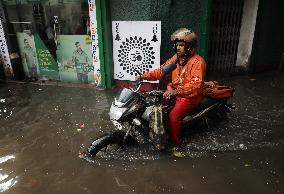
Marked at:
<point>137,122</point>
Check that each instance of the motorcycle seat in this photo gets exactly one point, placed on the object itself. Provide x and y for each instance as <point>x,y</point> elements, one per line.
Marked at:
<point>205,103</point>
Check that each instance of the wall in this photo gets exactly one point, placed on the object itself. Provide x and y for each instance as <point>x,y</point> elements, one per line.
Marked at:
<point>247,33</point>
<point>173,15</point>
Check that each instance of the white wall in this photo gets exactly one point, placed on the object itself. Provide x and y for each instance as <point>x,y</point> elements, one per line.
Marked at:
<point>247,33</point>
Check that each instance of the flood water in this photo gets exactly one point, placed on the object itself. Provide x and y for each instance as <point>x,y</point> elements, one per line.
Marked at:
<point>43,128</point>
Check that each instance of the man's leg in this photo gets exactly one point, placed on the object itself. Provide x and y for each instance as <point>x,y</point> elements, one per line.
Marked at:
<point>34,73</point>
<point>85,77</point>
<point>79,76</point>
<point>181,109</point>
<point>30,75</point>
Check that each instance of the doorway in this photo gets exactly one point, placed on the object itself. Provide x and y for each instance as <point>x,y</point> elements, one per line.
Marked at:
<point>268,47</point>
<point>225,24</point>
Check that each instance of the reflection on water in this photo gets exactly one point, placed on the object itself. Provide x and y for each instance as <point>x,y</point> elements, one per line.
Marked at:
<point>6,182</point>
<point>6,158</point>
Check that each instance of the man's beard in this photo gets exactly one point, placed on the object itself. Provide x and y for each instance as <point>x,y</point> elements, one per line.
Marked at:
<point>184,55</point>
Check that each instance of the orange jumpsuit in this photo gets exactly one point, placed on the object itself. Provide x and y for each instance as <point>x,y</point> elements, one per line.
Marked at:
<point>188,81</point>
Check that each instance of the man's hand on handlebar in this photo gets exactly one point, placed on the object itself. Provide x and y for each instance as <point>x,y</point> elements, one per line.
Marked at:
<point>169,94</point>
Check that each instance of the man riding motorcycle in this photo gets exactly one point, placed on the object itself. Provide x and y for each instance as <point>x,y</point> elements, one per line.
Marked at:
<point>138,116</point>
<point>187,79</point>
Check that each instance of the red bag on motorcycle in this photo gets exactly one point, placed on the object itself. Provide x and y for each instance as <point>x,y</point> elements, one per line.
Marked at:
<point>214,90</point>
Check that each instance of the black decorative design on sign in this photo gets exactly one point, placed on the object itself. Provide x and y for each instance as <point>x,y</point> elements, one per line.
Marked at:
<point>155,30</point>
<point>135,53</point>
<point>119,75</point>
<point>117,32</point>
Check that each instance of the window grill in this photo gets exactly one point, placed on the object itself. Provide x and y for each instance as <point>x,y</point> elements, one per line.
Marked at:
<point>224,34</point>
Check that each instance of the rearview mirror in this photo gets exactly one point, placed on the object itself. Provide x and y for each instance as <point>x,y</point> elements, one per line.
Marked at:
<point>166,70</point>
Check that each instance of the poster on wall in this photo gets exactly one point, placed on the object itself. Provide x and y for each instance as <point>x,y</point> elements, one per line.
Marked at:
<point>94,37</point>
<point>29,55</point>
<point>47,65</point>
<point>5,58</point>
<point>75,59</point>
<point>136,47</point>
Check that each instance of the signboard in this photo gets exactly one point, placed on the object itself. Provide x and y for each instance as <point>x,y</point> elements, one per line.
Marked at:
<point>47,65</point>
<point>29,55</point>
<point>136,46</point>
<point>75,59</point>
<point>94,37</point>
<point>5,58</point>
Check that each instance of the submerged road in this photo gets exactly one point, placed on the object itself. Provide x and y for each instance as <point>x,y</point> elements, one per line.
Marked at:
<point>43,128</point>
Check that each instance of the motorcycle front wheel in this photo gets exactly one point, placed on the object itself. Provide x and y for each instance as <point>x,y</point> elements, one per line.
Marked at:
<point>111,141</point>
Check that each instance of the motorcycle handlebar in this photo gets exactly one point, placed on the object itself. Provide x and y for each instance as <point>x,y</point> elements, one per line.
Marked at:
<point>158,93</point>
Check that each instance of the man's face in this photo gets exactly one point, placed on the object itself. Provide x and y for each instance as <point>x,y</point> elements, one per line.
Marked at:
<point>181,48</point>
<point>78,47</point>
<point>27,43</point>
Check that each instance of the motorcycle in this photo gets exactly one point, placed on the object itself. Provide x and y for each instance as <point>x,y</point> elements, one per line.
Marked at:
<point>141,117</point>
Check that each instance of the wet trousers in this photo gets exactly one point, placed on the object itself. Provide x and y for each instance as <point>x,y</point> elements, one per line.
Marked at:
<point>32,72</point>
<point>82,78</point>
<point>182,107</point>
